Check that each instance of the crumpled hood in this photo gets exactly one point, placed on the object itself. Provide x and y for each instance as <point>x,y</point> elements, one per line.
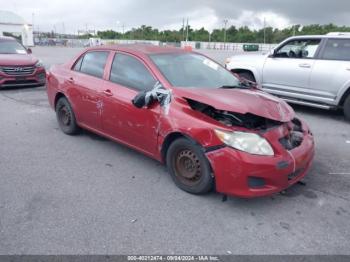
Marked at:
<point>17,60</point>
<point>240,101</point>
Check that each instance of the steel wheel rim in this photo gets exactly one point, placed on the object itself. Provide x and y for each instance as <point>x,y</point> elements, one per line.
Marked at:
<point>64,116</point>
<point>187,167</point>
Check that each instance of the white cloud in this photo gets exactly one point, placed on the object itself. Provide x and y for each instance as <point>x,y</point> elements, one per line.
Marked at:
<point>203,17</point>
<point>104,14</point>
<point>255,20</point>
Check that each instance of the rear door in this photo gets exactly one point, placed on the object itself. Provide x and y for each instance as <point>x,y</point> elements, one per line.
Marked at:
<point>288,71</point>
<point>137,127</point>
<point>86,84</point>
<point>332,70</point>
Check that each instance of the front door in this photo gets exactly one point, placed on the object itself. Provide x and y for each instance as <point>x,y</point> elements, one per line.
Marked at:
<point>288,71</point>
<point>135,127</point>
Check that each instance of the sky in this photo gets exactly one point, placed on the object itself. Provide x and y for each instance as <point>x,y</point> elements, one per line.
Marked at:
<point>68,16</point>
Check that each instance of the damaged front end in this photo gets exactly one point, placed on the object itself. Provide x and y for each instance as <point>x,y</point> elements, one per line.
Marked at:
<point>294,136</point>
<point>231,119</point>
<point>266,158</point>
<point>291,137</point>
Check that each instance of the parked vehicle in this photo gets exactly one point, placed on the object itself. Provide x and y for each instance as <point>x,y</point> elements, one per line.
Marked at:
<point>18,67</point>
<point>306,70</point>
<point>187,111</point>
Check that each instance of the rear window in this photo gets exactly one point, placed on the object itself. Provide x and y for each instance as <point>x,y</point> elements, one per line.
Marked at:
<point>337,49</point>
<point>93,63</point>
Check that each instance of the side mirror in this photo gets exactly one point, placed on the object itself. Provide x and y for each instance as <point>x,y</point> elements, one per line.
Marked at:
<point>139,100</point>
<point>272,53</point>
<point>158,93</point>
<point>29,51</point>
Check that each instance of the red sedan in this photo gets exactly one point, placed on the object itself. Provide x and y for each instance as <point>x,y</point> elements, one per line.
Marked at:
<point>187,111</point>
<point>18,67</point>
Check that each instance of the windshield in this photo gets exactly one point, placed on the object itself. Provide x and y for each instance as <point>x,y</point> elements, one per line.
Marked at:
<point>11,47</point>
<point>193,70</point>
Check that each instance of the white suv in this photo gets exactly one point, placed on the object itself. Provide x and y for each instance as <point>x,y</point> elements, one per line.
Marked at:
<point>306,70</point>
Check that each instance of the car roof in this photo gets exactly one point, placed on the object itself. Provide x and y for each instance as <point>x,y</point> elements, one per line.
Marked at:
<point>340,36</point>
<point>141,49</point>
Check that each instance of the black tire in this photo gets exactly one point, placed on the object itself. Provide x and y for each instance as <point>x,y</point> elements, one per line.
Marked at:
<point>188,167</point>
<point>66,117</point>
<point>346,108</point>
<point>248,76</point>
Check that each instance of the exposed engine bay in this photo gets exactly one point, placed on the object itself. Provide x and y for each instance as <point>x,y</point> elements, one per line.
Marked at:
<point>251,121</point>
<point>230,119</point>
<point>295,135</point>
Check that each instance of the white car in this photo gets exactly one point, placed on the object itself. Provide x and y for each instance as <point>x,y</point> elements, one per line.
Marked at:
<point>306,70</point>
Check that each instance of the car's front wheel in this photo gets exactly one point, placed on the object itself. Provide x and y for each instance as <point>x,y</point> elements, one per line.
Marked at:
<point>66,117</point>
<point>188,166</point>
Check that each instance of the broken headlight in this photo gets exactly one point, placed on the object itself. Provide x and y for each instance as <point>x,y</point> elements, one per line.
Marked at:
<point>247,142</point>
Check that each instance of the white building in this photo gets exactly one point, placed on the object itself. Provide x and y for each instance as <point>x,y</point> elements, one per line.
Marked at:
<point>10,23</point>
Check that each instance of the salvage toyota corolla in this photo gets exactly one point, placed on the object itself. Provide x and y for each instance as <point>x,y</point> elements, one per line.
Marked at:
<point>187,111</point>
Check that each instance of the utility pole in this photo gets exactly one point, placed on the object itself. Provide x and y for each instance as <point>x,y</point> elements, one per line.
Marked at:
<point>118,22</point>
<point>183,29</point>
<point>264,30</point>
<point>225,24</point>
<point>187,31</point>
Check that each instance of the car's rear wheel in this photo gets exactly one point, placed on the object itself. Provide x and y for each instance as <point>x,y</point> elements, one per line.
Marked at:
<point>247,75</point>
<point>188,166</point>
<point>346,108</point>
<point>66,117</point>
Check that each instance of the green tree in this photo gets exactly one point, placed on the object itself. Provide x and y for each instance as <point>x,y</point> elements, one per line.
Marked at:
<point>238,35</point>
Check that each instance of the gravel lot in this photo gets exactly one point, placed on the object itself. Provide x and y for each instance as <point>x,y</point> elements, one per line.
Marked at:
<point>87,195</point>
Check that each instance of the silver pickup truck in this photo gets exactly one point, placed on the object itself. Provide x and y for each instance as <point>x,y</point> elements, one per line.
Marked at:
<point>307,70</point>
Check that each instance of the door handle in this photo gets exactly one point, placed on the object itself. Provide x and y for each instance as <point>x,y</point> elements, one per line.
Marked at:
<point>305,65</point>
<point>107,92</point>
<point>71,80</point>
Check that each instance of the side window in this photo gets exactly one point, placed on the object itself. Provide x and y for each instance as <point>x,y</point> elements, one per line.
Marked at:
<point>93,63</point>
<point>305,48</point>
<point>337,49</point>
<point>77,65</point>
<point>130,72</point>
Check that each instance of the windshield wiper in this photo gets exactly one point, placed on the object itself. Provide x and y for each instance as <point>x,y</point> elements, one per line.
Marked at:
<point>240,86</point>
<point>228,87</point>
